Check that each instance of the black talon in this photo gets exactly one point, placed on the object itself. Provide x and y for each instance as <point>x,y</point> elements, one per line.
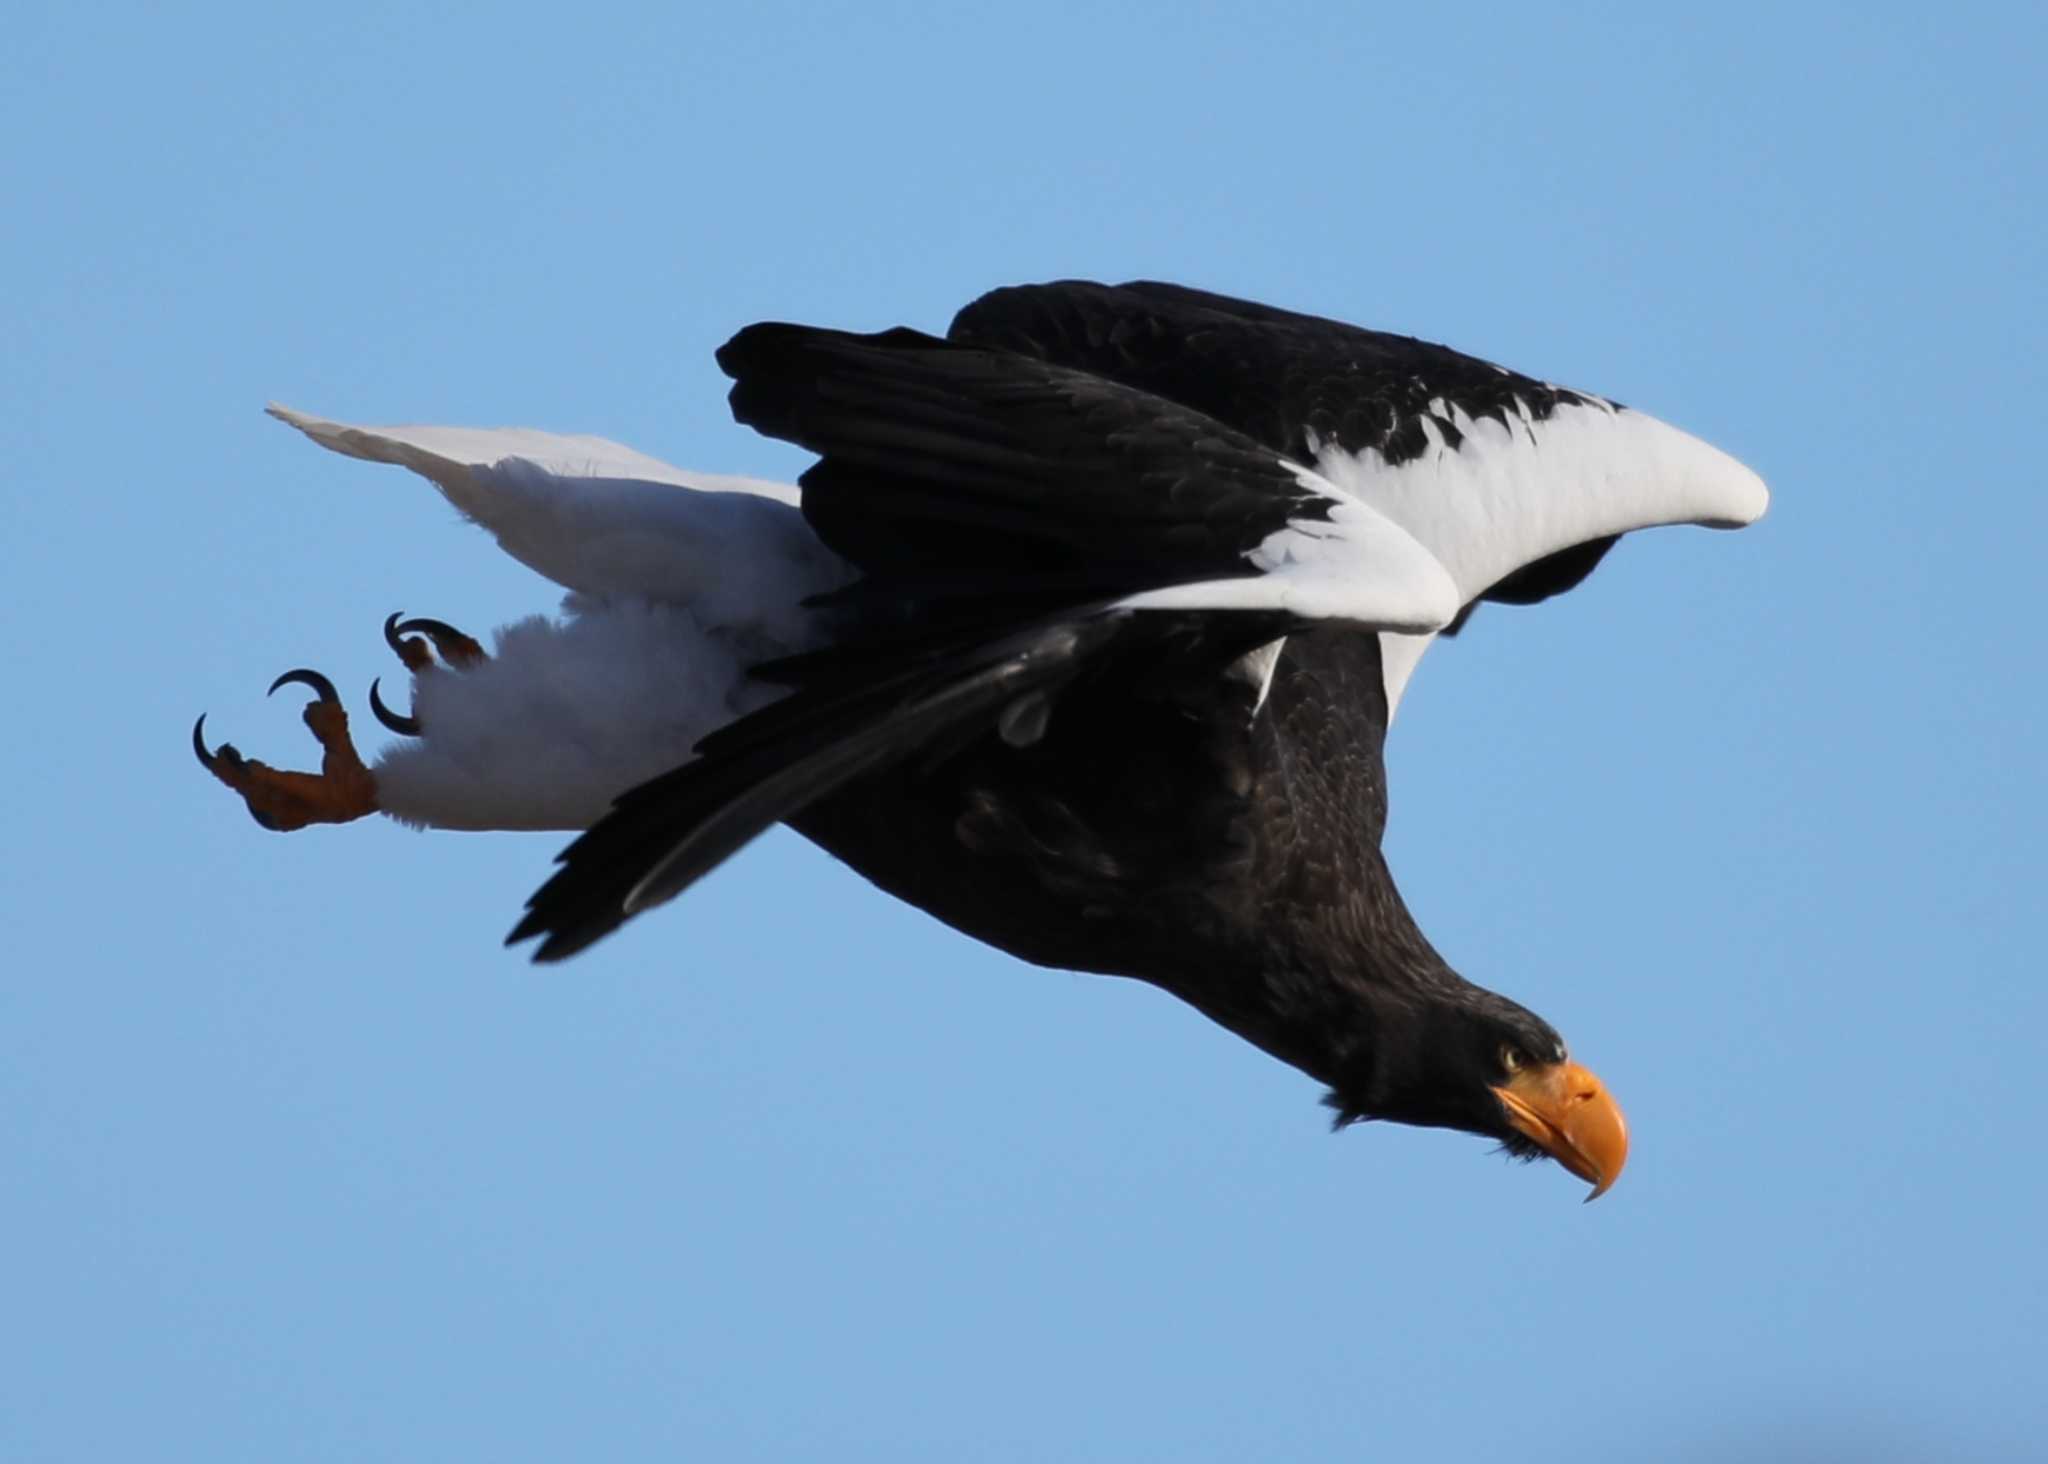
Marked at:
<point>206,759</point>
<point>425,625</point>
<point>453,647</point>
<point>227,758</point>
<point>320,685</point>
<point>404,726</point>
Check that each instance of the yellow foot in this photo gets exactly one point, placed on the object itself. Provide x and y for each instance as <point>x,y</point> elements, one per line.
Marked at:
<point>343,790</point>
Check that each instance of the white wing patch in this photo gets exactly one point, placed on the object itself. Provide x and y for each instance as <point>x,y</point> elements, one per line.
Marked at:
<point>1510,493</point>
<point>1406,545</point>
<point>1357,564</point>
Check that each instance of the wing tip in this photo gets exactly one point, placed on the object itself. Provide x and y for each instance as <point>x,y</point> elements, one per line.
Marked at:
<point>1733,495</point>
<point>1749,496</point>
<point>1727,492</point>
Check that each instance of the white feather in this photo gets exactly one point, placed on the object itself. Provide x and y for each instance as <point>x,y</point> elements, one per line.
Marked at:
<point>566,715</point>
<point>1507,496</point>
<point>1356,564</point>
<point>597,517</point>
<point>1257,667</point>
<point>678,582</point>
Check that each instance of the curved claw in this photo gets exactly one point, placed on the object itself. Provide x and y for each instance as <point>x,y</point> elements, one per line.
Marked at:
<point>208,760</point>
<point>234,770</point>
<point>320,685</point>
<point>455,648</point>
<point>403,725</point>
<point>424,625</point>
<point>281,799</point>
<point>413,654</point>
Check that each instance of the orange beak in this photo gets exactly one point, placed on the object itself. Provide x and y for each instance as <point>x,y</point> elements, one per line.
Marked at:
<point>1565,1109</point>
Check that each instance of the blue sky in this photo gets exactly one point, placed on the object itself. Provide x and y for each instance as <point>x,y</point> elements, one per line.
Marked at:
<point>299,1164</point>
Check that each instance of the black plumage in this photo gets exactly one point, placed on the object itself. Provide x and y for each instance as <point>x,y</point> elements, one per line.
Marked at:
<point>1289,381</point>
<point>939,458</point>
<point>997,736</point>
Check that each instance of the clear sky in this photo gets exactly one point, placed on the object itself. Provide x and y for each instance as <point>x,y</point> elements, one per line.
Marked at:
<point>298,1164</point>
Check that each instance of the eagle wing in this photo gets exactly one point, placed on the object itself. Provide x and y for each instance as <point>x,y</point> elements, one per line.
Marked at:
<point>1515,486</point>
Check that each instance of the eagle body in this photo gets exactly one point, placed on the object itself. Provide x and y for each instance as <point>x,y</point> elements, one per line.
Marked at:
<point>1167,835</point>
<point>1083,634</point>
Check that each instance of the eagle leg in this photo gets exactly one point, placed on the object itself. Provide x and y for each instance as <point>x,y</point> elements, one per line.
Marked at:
<point>342,791</point>
<point>457,649</point>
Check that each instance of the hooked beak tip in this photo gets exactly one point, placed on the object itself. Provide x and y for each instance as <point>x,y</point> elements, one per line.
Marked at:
<point>1567,1112</point>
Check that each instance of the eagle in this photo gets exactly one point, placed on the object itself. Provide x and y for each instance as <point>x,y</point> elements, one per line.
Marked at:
<point>1083,634</point>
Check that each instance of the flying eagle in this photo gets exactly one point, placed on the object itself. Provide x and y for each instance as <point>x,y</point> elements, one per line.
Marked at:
<point>1083,634</point>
